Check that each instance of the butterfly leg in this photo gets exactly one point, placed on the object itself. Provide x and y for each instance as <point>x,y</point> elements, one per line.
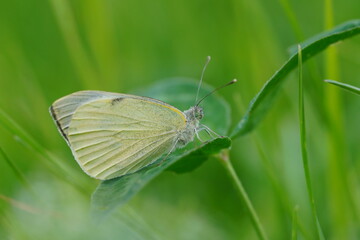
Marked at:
<point>209,131</point>
<point>198,136</point>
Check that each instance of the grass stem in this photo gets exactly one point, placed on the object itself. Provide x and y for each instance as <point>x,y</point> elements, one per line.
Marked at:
<point>304,148</point>
<point>253,215</point>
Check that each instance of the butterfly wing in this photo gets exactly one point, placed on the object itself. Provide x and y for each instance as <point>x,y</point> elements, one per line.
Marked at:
<point>113,136</point>
<point>63,109</point>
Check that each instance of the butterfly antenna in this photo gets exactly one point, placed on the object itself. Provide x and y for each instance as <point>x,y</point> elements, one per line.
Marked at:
<point>216,89</point>
<point>201,78</point>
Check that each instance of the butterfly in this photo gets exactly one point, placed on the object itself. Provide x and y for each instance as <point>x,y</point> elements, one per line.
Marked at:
<point>115,134</point>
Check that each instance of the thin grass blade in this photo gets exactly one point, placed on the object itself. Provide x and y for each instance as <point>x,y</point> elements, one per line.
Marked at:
<point>345,86</point>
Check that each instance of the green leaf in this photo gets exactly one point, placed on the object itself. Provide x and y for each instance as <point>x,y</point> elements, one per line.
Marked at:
<point>345,86</point>
<point>115,192</point>
<point>180,93</point>
<point>200,155</point>
<point>262,102</point>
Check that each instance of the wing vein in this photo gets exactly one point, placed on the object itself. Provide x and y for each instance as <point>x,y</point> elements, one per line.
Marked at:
<point>97,157</point>
<point>64,116</point>
<point>148,152</point>
<point>112,130</point>
<point>122,116</point>
<point>90,145</point>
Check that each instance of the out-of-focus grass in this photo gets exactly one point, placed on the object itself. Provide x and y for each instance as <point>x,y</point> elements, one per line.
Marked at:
<point>51,48</point>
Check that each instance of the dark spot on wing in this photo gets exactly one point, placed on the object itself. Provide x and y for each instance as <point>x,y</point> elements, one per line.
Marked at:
<point>53,114</point>
<point>116,100</point>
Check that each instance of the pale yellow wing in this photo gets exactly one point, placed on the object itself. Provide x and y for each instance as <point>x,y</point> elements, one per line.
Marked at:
<point>63,109</point>
<point>111,137</point>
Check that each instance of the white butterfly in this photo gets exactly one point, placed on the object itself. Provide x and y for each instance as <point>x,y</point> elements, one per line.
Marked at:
<point>113,134</point>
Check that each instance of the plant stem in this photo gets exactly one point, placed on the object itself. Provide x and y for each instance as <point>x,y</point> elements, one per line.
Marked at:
<point>304,148</point>
<point>254,217</point>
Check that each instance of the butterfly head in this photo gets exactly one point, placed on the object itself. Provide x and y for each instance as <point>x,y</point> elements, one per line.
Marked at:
<point>194,114</point>
<point>198,113</point>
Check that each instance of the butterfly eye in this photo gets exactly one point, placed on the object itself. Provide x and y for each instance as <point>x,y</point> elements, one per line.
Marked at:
<point>199,113</point>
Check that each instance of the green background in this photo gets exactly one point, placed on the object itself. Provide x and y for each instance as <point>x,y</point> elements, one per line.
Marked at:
<point>50,48</point>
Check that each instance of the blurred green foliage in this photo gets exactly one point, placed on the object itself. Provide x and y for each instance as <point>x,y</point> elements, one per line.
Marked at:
<point>52,48</point>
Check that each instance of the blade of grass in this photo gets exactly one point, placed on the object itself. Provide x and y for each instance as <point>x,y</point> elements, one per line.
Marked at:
<point>56,166</point>
<point>345,86</point>
<point>224,158</point>
<point>16,171</point>
<point>26,207</point>
<point>304,147</point>
<point>20,205</point>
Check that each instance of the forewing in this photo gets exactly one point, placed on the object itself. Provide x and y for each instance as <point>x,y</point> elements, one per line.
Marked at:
<point>118,136</point>
<point>63,109</point>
